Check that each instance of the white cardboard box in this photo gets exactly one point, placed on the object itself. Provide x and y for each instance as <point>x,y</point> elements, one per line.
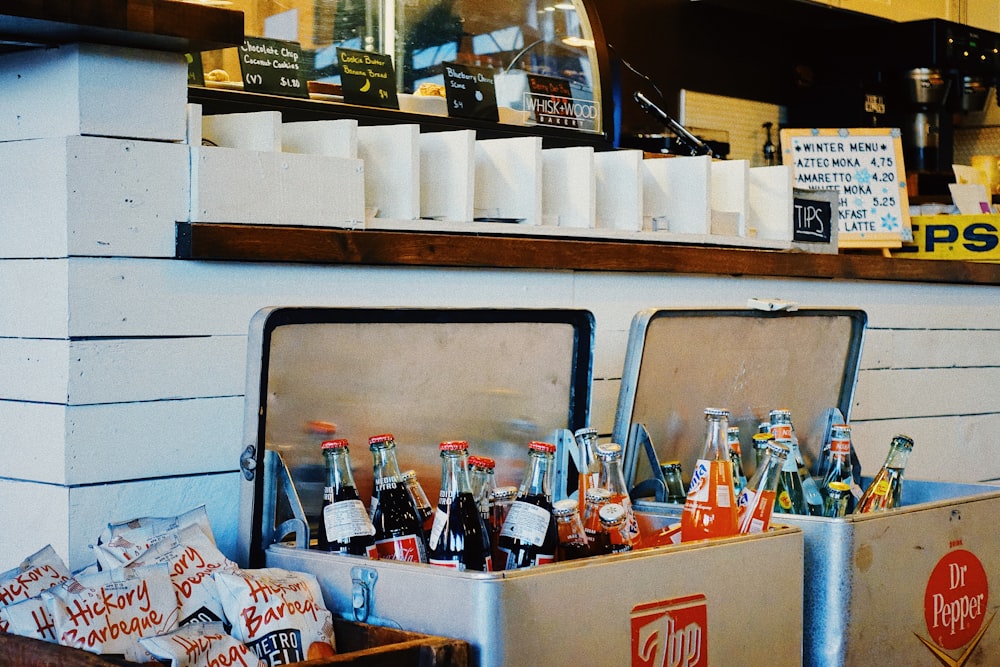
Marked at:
<point>676,194</point>
<point>447,175</point>
<point>569,187</point>
<point>91,89</point>
<point>391,155</point>
<point>509,179</point>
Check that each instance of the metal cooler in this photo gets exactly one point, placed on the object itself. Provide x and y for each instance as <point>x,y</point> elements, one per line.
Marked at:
<point>497,378</point>
<point>914,586</point>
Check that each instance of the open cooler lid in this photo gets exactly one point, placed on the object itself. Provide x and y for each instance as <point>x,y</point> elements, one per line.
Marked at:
<point>497,378</point>
<point>679,362</point>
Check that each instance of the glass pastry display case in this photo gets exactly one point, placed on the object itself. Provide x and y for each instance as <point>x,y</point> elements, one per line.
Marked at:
<point>520,44</point>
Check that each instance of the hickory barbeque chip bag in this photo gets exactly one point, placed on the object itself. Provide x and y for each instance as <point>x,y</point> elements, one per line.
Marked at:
<point>192,558</point>
<point>279,614</point>
<point>201,645</point>
<point>122,542</point>
<point>109,612</point>
<point>28,618</point>
<point>39,571</point>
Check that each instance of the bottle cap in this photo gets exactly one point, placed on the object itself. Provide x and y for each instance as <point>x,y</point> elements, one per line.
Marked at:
<point>716,412</point>
<point>780,412</point>
<point>321,427</point>
<point>546,447</point>
<point>340,443</point>
<point>671,466</point>
<point>503,493</point>
<point>482,462</point>
<point>597,494</point>
<point>839,487</point>
<point>608,451</point>
<point>760,440</point>
<point>377,440</point>
<point>408,475</point>
<point>611,513</point>
<point>733,429</point>
<point>581,432</point>
<point>454,445</point>
<point>778,448</point>
<point>564,507</point>
<point>904,441</point>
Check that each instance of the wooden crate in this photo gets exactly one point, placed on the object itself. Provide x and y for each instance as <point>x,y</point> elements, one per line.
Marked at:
<point>358,644</point>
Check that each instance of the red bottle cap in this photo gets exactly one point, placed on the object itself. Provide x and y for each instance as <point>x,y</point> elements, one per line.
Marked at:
<point>482,462</point>
<point>453,445</point>
<point>377,439</point>
<point>546,447</point>
<point>335,444</point>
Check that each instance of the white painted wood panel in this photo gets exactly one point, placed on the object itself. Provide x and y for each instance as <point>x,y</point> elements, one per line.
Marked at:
<point>95,444</point>
<point>93,89</point>
<point>110,370</point>
<point>92,196</point>
<point>71,518</point>
<point>931,348</point>
<point>885,394</point>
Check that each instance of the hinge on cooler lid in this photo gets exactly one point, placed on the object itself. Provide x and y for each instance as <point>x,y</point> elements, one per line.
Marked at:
<point>278,481</point>
<point>639,437</point>
<point>362,592</point>
<point>565,449</point>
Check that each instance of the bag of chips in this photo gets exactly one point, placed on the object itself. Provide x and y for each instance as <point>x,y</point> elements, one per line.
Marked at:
<point>108,612</point>
<point>191,558</point>
<point>200,645</point>
<point>39,571</point>
<point>120,543</point>
<point>28,618</point>
<point>279,614</point>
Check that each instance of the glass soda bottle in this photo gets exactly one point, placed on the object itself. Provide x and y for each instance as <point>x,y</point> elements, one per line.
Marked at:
<point>614,536</point>
<point>419,498</point>
<point>784,431</point>
<point>791,499</point>
<point>529,536</point>
<point>760,443</point>
<point>344,525</point>
<point>736,456</point>
<point>710,506</point>
<point>573,542</point>
<point>672,473</point>
<point>613,479</point>
<point>483,481</point>
<point>838,467</point>
<point>837,495</point>
<point>500,503</point>
<point>756,502</point>
<point>597,497</point>
<point>886,489</point>
<point>459,537</point>
<point>589,474</point>
<point>399,533</point>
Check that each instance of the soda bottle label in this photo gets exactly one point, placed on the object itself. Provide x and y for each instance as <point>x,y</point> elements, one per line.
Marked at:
<point>881,487</point>
<point>346,519</point>
<point>755,510</point>
<point>406,548</point>
<point>782,432</point>
<point>527,523</point>
<point>440,523</point>
<point>785,500</point>
<point>544,559</point>
<point>454,564</point>
<point>710,508</point>
<point>840,445</point>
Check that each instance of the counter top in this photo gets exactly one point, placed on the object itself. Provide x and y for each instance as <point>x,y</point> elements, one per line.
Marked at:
<point>162,25</point>
<point>265,243</point>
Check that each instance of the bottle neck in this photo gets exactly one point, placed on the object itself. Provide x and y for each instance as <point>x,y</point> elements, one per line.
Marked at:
<point>454,475</point>
<point>338,469</point>
<point>587,447</point>
<point>537,481</point>
<point>716,439</point>
<point>384,463</point>
<point>611,474</point>
<point>897,458</point>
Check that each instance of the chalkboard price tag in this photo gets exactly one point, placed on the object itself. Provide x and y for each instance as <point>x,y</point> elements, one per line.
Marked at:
<point>368,78</point>
<point>814,216</point>
<point>272,66</point>
<point>471,92</point>
<point>549,101</point>
<point>865,167</point>
<point>196,71</point>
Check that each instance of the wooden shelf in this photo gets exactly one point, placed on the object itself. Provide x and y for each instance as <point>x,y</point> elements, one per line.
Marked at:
<point>265,243</point>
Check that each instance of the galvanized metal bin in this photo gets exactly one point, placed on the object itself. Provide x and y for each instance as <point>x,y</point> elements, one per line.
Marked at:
<point>914,586</point>
<point>497,378</point>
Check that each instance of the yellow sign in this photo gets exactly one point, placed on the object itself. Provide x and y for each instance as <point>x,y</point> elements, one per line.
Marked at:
<point>865,166</point>
<point>971,238</point>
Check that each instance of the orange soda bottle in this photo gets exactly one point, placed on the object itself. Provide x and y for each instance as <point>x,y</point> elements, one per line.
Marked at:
<point>710,507</point>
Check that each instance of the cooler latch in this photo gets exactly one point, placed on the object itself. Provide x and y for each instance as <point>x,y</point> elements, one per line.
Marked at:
<point>362,592</point>
<point>248,462</point>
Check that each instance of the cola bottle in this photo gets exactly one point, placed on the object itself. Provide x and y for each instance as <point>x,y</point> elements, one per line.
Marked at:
<point>458,537</point>
<point>399,533</point>
<point>500,501</point>
<point>529,536</point>
<point>710,508</point>
<point>483,481</point>
<point>886,489</point>
<point>424,508</point>
<point>756,502</point>
<point>589,474</point>
<point>573,542</point>
<point>614,536</point>
<point>344,525</point>
<point>597,497</point>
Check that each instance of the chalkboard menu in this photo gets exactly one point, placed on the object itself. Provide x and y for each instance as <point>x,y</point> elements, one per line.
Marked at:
<point>272,66</point>
<point>866,167</point>
<point>470,91</point>
<point>368,78</point>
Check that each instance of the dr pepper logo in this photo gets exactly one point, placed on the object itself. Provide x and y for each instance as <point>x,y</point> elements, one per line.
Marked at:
<point>670,633</point>
<point>955,604</point>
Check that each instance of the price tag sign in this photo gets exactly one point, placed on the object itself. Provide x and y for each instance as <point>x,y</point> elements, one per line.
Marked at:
<point>272,66</point>
<point>471,92</point>
<point>368,78</point>
<point>865,166</point>
<point>196,71</point>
